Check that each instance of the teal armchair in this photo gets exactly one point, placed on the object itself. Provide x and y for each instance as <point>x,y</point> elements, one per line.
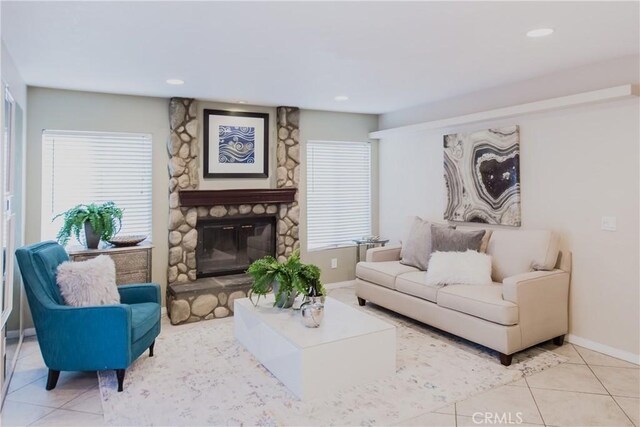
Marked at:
<point>86,338</point>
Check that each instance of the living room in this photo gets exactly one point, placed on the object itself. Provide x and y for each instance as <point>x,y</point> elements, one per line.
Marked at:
<point>441,198</point>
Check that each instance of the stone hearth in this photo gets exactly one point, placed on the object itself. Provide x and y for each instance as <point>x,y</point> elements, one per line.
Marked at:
<point>206,298</point>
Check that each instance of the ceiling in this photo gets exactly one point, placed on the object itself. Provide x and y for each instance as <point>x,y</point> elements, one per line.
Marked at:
<point>383,55</point>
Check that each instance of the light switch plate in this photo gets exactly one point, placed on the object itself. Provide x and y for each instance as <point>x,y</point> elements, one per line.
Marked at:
<point>334,262</point>
<point>609,223</point>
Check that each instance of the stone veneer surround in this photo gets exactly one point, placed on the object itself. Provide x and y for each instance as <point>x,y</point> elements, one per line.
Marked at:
<point>184,150</point>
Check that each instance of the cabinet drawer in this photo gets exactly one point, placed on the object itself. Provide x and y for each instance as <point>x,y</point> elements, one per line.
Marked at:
<point>130,261</point>
<point>128,277</point>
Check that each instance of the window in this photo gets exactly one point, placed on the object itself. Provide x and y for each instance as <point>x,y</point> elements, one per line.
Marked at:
<point>96,167</point>
<point>338,193</point>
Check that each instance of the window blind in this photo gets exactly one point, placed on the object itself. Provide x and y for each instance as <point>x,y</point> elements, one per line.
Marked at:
<point>96,167</point>
<point>338,193</point>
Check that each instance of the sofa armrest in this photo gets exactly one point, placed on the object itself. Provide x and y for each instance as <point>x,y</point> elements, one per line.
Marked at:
<point>137,293</point>
<point>543,304</point>
<point>384,253</point>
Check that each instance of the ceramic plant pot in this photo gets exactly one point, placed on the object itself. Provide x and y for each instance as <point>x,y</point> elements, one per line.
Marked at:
<point>92,239</point>
<point>283,301</point>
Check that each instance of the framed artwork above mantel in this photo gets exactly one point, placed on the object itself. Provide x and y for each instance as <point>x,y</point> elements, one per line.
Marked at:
<point>236,144</point>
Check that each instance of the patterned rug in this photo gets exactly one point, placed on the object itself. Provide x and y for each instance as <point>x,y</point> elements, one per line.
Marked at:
<point>201,376</point>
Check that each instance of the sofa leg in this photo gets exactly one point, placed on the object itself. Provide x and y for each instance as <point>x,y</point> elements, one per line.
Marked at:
<point>52,379</point>
<point>361,301</point>
<point>120,376</point>
<point>559,340</point>
<point>505,359</point>
<point>151,348</point>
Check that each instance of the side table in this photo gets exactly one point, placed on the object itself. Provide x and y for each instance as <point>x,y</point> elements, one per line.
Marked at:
<point>367,244</point>
<point>133,263</point>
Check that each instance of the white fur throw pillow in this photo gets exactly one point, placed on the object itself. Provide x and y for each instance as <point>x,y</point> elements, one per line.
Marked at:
<point>90,282</point>
<point>459,268</point>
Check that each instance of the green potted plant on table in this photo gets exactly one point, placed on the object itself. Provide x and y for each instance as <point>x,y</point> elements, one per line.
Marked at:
<point>97,221</point>
<point>286,279</point>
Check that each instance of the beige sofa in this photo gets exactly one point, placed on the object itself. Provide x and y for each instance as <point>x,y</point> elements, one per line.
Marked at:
<point>527,304</point>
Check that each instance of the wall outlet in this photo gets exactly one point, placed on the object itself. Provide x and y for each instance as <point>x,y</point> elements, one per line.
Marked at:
<point>334,262</point>
<point>609,223</point>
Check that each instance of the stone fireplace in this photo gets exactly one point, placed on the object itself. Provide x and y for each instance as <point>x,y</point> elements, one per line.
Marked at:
<point>192,293</point>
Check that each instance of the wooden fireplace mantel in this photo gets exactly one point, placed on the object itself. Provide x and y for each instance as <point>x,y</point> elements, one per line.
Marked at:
<point>236,197</point>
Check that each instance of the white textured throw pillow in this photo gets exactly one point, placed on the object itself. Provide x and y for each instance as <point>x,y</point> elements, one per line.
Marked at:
<point>86,283</point>
<point>459,268</point>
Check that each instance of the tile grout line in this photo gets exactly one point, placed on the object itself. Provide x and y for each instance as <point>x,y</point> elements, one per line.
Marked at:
<point>24,385</point>
<point>63,409</point>
<point>605,387</point>
<point>54,407</point>
<point>534,401</point>
<point>455,413</point>
<point>571,391</point>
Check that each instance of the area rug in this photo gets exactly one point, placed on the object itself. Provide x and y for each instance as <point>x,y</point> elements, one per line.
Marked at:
<point>201,376</point>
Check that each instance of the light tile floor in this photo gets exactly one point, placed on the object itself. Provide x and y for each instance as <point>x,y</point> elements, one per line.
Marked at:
<point>591,389</point>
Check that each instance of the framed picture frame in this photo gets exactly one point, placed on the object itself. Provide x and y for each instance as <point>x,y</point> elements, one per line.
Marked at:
<point>236,144</point>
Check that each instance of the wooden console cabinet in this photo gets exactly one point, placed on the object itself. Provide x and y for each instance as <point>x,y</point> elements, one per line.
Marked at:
<point>133,263</point>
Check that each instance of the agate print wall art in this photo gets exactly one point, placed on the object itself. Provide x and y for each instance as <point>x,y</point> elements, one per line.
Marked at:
<point>236,144</point>
<point>482,176</point>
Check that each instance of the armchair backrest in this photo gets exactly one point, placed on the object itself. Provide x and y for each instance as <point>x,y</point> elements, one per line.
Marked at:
<point>38,265</point>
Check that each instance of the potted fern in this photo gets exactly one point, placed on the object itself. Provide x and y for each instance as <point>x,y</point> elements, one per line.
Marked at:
<point>97,221</point>
<point>286,280</point>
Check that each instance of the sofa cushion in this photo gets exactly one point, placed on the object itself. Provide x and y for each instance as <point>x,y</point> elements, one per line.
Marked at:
<point>520,251</point>
<point>382,273</point>
<point>144,316</point>
<point>483,301</point>
<point>485,240</point>
<point>448,240</point>
<point>417,247</point>
<point>459,268</point>
<point>88,283</point>
<point>415,284</point>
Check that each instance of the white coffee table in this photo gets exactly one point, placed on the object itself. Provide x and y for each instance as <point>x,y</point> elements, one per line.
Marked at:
<point>350,347</point>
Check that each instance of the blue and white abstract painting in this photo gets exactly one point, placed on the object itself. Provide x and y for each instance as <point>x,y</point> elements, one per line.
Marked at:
<point>236,144</point>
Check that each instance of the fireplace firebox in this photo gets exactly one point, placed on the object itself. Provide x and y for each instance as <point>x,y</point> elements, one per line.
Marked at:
<point>230,245</point>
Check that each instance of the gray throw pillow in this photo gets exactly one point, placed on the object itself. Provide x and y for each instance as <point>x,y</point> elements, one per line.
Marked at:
<point>448,240</point>
<point>416,250</point>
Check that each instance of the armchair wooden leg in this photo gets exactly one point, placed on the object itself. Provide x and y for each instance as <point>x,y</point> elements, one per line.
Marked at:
<point>361,301</point>
<point>505,359</point>
<point>120,375</point>
<point>52,379</point>
<point>151,348</point>
<point>559,340</point>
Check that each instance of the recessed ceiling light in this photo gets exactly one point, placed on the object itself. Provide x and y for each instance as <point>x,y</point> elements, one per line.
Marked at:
<point>341,98</point>
<point>242,102</point>
<point>175,82</point>
<point>540,32</point>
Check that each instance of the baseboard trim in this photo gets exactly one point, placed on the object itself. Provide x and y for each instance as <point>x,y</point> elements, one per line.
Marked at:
<point>337,285</point>
<point>29,332</point>
<point>604,349</point>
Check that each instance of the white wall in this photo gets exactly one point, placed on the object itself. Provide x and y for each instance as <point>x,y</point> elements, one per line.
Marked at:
<point>329,126</point>
<point>577,165</point>
<point>88,111</point>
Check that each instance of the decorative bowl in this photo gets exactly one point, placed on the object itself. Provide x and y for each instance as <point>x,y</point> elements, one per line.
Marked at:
<point>125,240</point>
